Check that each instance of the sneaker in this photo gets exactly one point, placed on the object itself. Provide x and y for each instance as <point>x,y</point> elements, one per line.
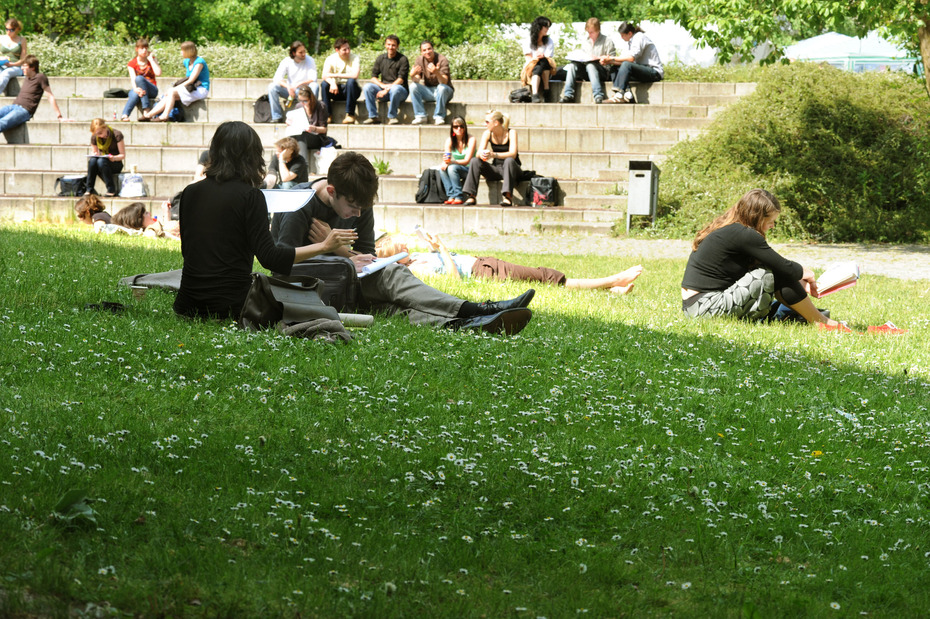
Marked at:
<point>348,120</point>
<point>439,121</point>
<point>567,99</point>
<point>393,121</point>
<point>617,97</point>
<point>508,322</point>
<point>840,327</point>
<point>628,97</point>
<point>419,120</point>
<point>535,99</point>
<point>372,121</point>
<point>887,329</point>
<point>493,307</point>
<point>598,100</point>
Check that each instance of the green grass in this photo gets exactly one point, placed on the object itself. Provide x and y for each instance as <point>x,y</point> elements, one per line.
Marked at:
<point>613,458</point>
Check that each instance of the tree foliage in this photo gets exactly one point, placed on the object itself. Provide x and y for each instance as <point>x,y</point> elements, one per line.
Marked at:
<point>736,27</point>
<point>847,154</point>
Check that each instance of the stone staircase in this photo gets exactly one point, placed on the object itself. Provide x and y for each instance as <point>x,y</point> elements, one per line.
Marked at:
<point>587,147</point>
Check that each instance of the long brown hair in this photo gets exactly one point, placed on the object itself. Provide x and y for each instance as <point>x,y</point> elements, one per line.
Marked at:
<point>751,210</point>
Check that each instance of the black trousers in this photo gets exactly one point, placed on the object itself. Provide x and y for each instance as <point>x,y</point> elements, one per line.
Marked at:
<point>105,169</point>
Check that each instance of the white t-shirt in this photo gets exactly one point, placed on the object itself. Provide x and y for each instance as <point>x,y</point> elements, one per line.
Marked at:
<point>643,51</point>
<point>432,263</point>
<point>296,73</point>
<point>548,48</point>
<point>335,64</point>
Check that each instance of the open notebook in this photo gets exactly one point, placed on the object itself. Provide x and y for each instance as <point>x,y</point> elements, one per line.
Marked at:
<point>837,277</point>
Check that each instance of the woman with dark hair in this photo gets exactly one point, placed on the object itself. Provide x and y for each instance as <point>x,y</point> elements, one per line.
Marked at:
<point>12,53</point>
<point>134,216</point>
<point>226,227</point>
<point>457,154</point>
<point>539,64</point>
<point>638,60</point>
<point>732,271</point>
<point>498,159</point>
<point>106,161</point>
<point>313,137</point>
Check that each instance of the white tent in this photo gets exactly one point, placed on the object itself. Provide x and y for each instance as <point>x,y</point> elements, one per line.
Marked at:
<point>873,53</point>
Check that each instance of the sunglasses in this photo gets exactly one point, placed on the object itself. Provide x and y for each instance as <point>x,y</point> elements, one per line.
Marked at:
<point>458,126</point>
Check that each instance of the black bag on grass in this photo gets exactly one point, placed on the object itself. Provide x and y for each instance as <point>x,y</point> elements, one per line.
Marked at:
<point>340,287</point>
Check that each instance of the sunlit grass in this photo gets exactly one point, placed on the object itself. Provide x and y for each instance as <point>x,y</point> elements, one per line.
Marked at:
<point>613,458</point>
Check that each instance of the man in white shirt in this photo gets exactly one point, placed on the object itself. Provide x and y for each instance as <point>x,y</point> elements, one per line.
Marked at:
<point>340,79</point>
<point>597,50</point>
<point>293,72</point>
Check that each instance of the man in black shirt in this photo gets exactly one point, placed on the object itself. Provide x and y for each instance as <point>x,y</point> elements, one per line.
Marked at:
<point>388,81</point>
<point>344,200</point>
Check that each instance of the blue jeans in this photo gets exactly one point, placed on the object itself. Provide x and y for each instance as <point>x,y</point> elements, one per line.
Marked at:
<point>349,91</point>
<point>595,74</point>
<point>6,75</point>
<point>276,91</point>
<point>105,169</point>
<point>441,94</point>
<point>452,178</point>
<point>151,90</point>
<point>12,116</point>
<point>629,71</point>
<point>396,96</point>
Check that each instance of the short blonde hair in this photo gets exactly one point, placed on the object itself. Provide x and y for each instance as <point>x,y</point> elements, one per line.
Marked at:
<point>287,144</point>
<point>500,117</point>
<point>189,49</point>
<point>96,124</point>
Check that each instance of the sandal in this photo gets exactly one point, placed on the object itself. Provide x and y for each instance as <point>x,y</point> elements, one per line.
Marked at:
<point>470,201</point>
<point>125,118</point>
<point>506,202</point>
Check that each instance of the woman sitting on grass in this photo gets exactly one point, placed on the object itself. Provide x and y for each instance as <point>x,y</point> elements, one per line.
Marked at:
<point>732,271</point>
<point>90,209</point>
<point>442,262</point>
<point>226,227</point>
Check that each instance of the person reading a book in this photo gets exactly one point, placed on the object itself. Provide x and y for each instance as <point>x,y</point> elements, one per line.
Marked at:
<point>226,227</point>
<point>732,270</point>
<point>106,160</point>
<point>589,63</point>
<point>440,261</point>
<point>344,200</point>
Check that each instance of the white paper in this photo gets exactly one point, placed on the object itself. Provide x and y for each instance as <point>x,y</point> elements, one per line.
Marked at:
<point>578,56</point>
<point>286,200</point>
<point>297,121</point>
<point>380,263</point>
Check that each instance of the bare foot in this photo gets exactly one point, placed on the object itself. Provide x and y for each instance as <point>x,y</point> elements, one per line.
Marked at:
<point>626,278</point>
<point>622,289</point>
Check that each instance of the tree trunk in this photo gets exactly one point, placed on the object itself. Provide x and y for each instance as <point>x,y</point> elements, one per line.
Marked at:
<point>923,36</point>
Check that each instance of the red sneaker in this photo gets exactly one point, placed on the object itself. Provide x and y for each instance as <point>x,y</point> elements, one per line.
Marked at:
<point>887,329</point>
<point>839,327</point>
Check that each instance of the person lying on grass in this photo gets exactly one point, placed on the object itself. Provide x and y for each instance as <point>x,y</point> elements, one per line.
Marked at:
<point>442,262</point>
<point>732,270</point>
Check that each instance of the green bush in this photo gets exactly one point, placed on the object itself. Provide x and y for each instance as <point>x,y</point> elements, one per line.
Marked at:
<point>847,154</point>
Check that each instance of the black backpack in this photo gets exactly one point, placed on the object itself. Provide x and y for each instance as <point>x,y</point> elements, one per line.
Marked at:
<point>71,185</point>
<point>543,191</point>
<point>521,95</point>
<point>262,107</point>
<point>340,280</point>
<point>430,190</point>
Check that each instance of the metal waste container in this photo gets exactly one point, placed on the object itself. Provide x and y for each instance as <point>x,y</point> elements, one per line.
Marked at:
<point>643,190</point>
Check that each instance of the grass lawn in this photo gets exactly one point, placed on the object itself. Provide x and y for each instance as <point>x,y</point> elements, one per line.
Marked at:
<point>613,459</point>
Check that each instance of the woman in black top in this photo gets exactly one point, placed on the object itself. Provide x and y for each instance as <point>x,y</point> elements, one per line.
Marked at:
<point>226,226</point>
<point>106,161</point>
<point>733,271</point>
<point>313,137</point>
<point>497,159</point>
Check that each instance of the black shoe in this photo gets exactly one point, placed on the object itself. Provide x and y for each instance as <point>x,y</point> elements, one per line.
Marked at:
<point>508,322</point>
<point>566,99</point>
<point>535,99</point>
<point>492,307</point>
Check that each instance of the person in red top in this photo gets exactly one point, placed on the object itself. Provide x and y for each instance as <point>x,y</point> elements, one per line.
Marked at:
<point>27,102</point>
<point>143,69</point>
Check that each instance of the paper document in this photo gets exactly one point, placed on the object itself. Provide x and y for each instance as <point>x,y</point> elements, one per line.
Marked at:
<point>297,121</point>
<point>287,200</point>
<point>579,56</point>
<point>380,263</point>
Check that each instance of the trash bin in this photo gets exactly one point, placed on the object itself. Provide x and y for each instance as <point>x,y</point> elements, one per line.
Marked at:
<point>643,190</point>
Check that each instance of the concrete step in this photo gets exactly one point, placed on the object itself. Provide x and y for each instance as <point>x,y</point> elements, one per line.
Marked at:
<point>595,201</point>
<point>216,110</point>
<point>714,100</point>
<point>465,90</point>
<point>398,217</point>
<point>558,139</point>
<point>183,159</point>
<point>601,228</point>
